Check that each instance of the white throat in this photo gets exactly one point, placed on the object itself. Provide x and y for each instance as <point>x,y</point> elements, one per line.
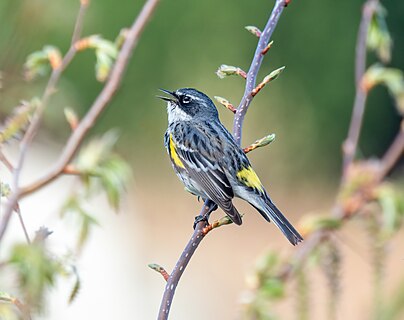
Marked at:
<point>176,113</point>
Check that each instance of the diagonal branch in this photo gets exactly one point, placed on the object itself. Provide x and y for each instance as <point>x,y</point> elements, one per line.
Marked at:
<point>351,143</point>
<point>36,120</point>
<point>92,115</point>
<point>175,276</point>
<point>393,154</point>
<point>254,68</point>
<point>100,103</point>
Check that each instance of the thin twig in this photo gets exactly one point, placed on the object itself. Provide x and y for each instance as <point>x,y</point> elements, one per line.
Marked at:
<point>92,115</point>
<point>24,229</point>
<point>351,143</point>
<point>33,127</point>
<point>254,68</point>
<point>5,161</point>
<point>393,154</point>
<point>100,103</point>
<point>181,264</point>
<point>79,21</point>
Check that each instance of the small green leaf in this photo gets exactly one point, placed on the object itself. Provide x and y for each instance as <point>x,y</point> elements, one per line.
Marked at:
<point>106,52</point>
<point>379,39</point>
<point>114,175</point>
<point>254,30</point>
<point>4,189</point>
<point>16,124</point>
<point>103,65</point>
<point>393,79</point>
<point>35,271</point>
<point>96,151</point>
<point>273,288</point>
<point>39,63</point>
<point>273,75</point>
<point>74,208</point>
<point>225,70</point>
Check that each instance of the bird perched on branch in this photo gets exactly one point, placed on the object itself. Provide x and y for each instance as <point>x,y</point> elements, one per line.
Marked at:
<point>209,162</point>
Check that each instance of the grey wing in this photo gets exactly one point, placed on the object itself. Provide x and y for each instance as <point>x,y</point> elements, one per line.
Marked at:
<point>202,165</point>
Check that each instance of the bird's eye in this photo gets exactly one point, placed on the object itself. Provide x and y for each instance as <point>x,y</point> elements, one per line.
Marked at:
<point>186,99</point>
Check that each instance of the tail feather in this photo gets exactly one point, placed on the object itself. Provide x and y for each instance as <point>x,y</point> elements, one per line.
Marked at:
<point>271,213</point>
<point>232,212</point>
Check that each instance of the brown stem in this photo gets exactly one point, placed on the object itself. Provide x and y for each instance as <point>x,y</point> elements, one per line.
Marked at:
<point>351,143</point>
<point>79,21</point>
<point>5,161</point>
<point>181,264</point>
<point>254,68</point>
<point>92,115</point>
<point>33,127</point>
<point>393,154</point>
<point>100,103</point>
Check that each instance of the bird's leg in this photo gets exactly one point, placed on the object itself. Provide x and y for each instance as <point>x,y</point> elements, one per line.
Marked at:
<point>205,217</point>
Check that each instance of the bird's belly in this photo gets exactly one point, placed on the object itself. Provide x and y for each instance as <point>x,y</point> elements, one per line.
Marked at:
<point>191,185</point>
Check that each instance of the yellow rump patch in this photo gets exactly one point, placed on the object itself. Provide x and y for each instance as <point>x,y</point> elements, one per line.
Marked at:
<point>248,177</point>
<point>174,155</point>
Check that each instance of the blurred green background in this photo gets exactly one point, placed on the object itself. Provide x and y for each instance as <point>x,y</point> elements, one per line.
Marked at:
<point>308,107</point>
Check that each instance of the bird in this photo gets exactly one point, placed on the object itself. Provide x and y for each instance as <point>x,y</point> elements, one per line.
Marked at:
<point>210,163</point>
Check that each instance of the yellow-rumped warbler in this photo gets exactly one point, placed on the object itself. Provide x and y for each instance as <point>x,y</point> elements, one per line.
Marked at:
<point>208,161</point>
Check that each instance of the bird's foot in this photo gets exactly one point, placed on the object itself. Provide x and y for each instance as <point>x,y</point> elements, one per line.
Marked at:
<point>205,217</point>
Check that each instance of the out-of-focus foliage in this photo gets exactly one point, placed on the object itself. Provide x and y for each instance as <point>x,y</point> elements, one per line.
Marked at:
<point>16,124</point>
<point>391,78</point>
<point>39,63</point>
<point>105,51</point>
<point>98,159</point>
<point>379,38</point>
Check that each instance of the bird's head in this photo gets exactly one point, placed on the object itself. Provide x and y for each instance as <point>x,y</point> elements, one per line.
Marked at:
<point>186,104</point>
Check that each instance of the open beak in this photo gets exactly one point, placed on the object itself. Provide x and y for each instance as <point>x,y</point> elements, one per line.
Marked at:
<point>172,94</point>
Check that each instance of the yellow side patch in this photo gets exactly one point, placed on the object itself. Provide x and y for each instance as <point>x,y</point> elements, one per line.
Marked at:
<point>248,177</point>
<point>174,155</point>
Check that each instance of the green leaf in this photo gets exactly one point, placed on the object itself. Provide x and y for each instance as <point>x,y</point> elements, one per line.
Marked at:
<point>96,151</point>
<point>17,123</point>
<point>35,271</point>
<point>114,175</point>
<point>253,30</point>
<point>97,160</point>
<point>4,189</point>
<point>85,221</point>
<point>392,205</point>
<point>106,52</point>
<point>393,79</point>
<point>225,70</point>
<point>273,288</point>
<point>379,39</point>
<point>39,63</point>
